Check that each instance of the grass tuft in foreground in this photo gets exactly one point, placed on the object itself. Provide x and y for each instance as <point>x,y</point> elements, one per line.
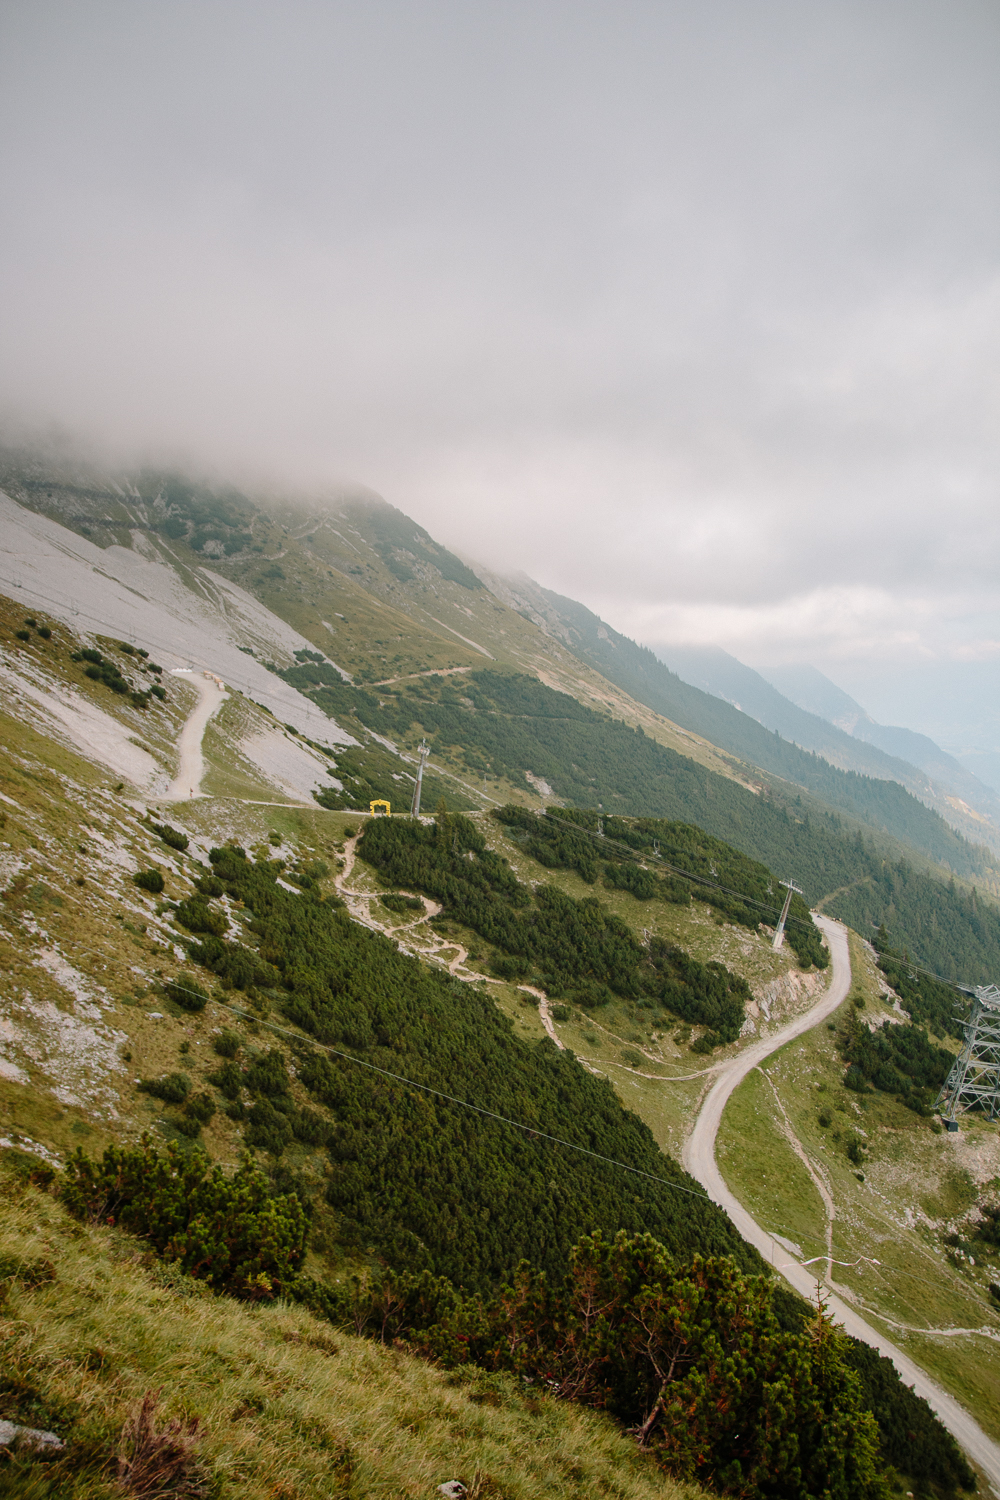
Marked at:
<point>284,1407</point>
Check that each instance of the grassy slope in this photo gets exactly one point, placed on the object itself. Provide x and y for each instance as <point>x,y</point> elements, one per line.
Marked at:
<point>57,802</point>
<point>287,1408</point>
<point>918,1186</point>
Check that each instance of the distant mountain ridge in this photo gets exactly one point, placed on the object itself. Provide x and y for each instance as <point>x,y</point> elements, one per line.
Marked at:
<point>737,710</point>
<point>815,693</point>
<point>805,706</point>
<point>379,609</point>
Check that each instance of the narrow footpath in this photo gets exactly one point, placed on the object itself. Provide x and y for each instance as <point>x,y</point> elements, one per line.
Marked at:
<point>699,1159</point>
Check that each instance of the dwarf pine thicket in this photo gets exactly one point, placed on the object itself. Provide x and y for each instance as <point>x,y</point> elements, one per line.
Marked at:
<point>507,723</point>
<point>451,1201</point>
<point>632,852</point>
<point>580,951</point>
<point>418,1178</point>
<point>726,1380</point>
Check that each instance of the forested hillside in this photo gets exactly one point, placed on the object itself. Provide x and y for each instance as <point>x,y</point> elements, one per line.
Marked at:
<point>881,803</point>
<point>415,1176</point>
<point>425,1185</point>
<point>513,723</point>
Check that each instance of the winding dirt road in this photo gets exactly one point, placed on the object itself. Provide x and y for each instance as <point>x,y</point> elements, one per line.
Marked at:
<point>699,1159</point>
<point>191,766</point>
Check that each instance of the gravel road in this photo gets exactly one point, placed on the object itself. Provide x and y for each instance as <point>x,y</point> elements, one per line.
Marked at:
<point>699,1159</point>
<point>191,767</point>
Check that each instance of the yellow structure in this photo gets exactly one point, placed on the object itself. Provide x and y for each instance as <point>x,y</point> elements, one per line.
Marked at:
<point>379,803</point>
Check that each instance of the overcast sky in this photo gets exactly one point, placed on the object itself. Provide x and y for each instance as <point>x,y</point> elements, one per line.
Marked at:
<point>690,310</point>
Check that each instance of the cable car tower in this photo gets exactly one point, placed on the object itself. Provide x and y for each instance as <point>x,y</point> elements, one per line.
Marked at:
<point>423,750</point>
<point>779,931</point>
<point>974,1080</point>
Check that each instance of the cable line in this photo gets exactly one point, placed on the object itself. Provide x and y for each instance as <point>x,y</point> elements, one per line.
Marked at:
<point>463,1103</point>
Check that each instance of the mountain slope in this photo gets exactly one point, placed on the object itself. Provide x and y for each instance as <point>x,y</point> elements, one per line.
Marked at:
<point>815,693</point>
<point>98,981</point>
<point>285,589</point>
<point>873,800</point>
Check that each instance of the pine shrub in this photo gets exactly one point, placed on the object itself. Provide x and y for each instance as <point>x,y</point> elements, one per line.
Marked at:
<point>172,1088</point>
<point>227,1043</point>
<point>172,837</point>
<point>232,1232</point>
<point>187,993</point>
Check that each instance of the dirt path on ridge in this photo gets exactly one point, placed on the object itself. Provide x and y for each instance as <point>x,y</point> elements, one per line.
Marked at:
<point>360,903</point>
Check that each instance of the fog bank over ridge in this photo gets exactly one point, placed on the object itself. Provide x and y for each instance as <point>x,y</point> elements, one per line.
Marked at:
<point>691,313</point>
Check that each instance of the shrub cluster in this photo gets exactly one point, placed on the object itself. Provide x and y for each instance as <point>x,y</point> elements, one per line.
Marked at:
<point>580,950</point>
<point>397,902</point>
<point>197,916</point>
<point>172,1088</point>
<point>227,1043</point>
<point>690,1356</point>
<point>418,1179</point>
<point>172,837</point>
<point>230,1231</point>
<point>44,631</point>
<point>651,857</point>
<point>187,993</point>
<point>100,669</point>
<point>895,1059</point>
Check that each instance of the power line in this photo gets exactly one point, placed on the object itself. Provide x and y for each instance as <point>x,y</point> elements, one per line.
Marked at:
<point>910,963</point>
<point>543,1135</point>
<point>453,1099</point>
<point>602,840</point>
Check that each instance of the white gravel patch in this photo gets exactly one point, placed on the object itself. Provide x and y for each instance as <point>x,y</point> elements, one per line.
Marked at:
<point>199,619</point>
<point>11,866</point>
<point>80,1056</point>
<point>59,711</point>
<point>291,766</point>
<point>79,986</point>
<point>25,1143</point>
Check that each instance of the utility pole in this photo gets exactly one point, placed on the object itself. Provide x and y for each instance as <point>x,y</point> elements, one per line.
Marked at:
<point>974,1080</point>
<point>779,931</point>
<point>424,751</point>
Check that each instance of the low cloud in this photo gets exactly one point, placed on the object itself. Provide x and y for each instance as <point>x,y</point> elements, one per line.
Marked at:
<point>691,312</point>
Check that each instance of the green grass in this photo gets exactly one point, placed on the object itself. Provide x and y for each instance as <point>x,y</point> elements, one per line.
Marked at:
<point>764,1171</point>
<point>287,1407</point>
<point>918,1186</point>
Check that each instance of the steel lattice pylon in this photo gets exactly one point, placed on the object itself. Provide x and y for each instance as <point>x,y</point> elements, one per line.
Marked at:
<point>974,1080</point>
